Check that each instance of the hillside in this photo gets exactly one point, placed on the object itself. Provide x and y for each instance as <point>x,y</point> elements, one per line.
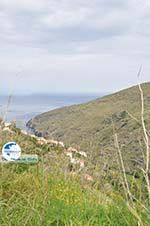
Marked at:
<point>89,127</point>
<point>51,194</point>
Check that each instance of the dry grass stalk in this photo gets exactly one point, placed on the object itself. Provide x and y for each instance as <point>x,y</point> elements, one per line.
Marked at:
<point>7,107</point>
<point>9,99</point>
<point>128,194</point>
<point>133,117</point>
<point>146,141</point>
<point>126,185</point>
<point>121,165</point>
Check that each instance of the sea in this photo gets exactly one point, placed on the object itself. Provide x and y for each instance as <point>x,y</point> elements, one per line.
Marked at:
<point>23,108</point>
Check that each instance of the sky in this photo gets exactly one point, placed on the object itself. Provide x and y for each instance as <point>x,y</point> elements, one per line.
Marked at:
<point>77,46</point>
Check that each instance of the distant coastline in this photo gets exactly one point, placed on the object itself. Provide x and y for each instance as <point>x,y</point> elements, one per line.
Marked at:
<point>23,108</point>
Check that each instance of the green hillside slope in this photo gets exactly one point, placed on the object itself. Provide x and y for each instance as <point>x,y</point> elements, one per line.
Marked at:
<point>89,127</point>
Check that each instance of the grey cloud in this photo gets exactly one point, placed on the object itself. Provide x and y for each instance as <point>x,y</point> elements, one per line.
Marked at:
<point>64,21</point>
<point>60,44</point>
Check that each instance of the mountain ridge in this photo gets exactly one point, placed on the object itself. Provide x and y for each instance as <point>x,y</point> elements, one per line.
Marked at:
<point>89,127</point>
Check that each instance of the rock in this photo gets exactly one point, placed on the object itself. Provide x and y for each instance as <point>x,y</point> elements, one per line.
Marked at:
<point>7,124</point>
<point>55,142</point>
<point>82,164</point>
<point>7,129</point>
<point>33,136</point>
<point>61,144</point>
<point>70,149</point>
<point>24,132</point>
<point>42,141</point>
<point>89,178</point>
<point>82,153</point>
<point>38,134</point>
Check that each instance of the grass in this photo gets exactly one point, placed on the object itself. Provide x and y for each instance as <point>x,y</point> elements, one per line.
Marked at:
<point>31,199</point>
<point>47,194</point>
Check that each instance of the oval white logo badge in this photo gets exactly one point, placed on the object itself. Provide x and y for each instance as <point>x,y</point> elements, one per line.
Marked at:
<point>11,151</point>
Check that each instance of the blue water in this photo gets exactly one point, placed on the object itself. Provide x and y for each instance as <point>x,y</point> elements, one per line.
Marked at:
<point>23,108</point>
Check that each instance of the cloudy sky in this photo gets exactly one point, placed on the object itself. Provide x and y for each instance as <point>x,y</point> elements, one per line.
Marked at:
<point>73,45</point>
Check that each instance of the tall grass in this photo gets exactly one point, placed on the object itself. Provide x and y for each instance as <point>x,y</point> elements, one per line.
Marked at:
<point>46,194</point>
<point>30,199</point>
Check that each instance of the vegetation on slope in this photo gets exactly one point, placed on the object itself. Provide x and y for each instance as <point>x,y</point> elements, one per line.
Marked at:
<point>89,127</point>
<point>48,194</point>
